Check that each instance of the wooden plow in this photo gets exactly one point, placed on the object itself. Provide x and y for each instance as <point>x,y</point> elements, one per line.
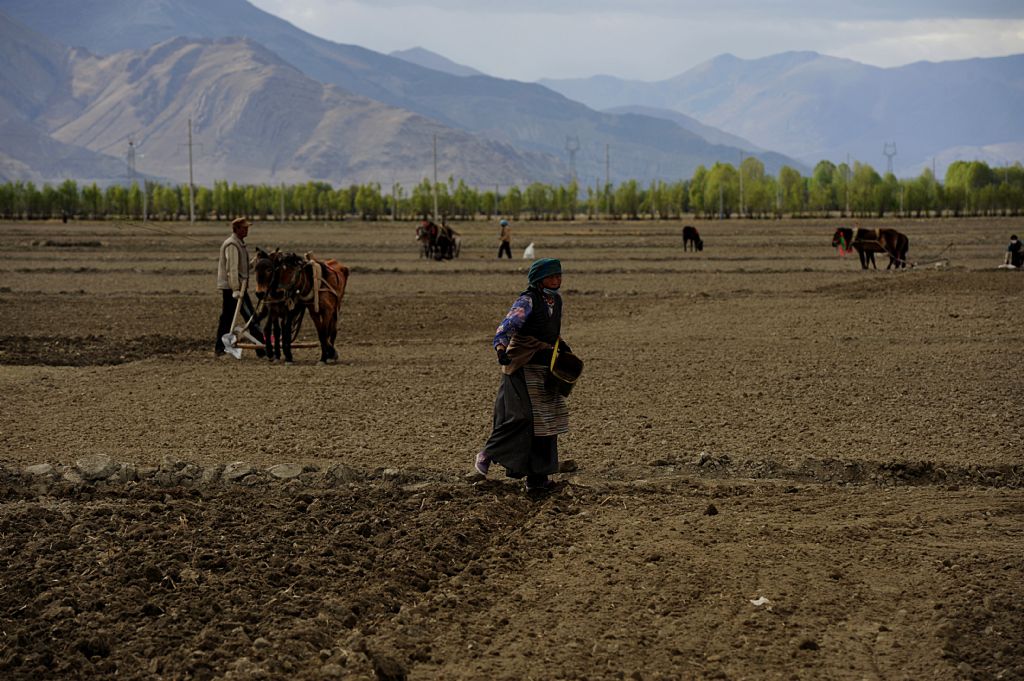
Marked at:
<point>938,260</point>
<point>238,338</point>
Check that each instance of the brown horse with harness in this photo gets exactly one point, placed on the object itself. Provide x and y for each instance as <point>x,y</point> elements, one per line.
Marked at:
<point>284,317</point>
<point>291,285</point>
<point>426,235</point>
<point>867,242</point>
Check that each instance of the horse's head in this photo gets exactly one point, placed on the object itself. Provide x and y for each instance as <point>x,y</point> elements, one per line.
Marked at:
<point>289,272</point>
<point>265,266</point>
<point>842,237</point>
<point>699,243</point>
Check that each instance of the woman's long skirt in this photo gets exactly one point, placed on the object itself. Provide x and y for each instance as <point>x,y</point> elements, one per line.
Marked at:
<point>513,442</point>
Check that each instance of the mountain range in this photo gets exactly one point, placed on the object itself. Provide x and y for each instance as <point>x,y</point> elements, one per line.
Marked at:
<point>271,103</point>
<point>437,62</point>
<point>812,107</point>
<point>527,124</point>
<point>254,118</point>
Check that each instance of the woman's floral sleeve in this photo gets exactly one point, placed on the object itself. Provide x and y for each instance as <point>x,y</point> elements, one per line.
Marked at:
<point>513,321</point>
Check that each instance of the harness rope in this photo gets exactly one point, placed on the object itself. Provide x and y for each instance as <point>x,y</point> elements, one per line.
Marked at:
<point>318,285</point>
<point>162,232</point>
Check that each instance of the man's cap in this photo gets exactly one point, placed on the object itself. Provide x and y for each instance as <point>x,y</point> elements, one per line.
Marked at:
<point>240,222</point>
<point>542,268</point>
<point>503,223</point>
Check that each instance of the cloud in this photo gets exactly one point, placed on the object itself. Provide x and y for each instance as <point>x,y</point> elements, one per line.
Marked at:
<point>839,10</point>
<point>657,39</point>
<point>897,43</point>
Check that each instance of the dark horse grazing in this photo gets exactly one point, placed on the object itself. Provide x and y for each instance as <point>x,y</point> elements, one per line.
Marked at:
<point>691,236</point>
<point>867,242</point>
<point>284,315</point>
<point>318,287</point>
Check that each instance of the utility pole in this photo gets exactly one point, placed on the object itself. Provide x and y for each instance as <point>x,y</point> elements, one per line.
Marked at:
<point>132,156</point>
<point>281,216</point>
<point>191,191</point>
<point>572,145</point>
<point>496,201</point>
<point>607,179</point>
<point>435,177</point>
<point>721,201</point>
<point>131,161</point>
<point>889,151</point>
<point>741,185</point>
<point>847,183</point>
<point>131,169</point>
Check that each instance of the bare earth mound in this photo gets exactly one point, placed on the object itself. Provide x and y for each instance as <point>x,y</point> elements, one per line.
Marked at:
<point>785,467</point>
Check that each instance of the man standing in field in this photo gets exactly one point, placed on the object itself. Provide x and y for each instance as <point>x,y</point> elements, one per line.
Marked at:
<point>232,277</point>
<point>506,240</point>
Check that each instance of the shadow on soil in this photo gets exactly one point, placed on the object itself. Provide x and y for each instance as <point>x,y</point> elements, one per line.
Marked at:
<point>91,350</point>
<point>847,472</point>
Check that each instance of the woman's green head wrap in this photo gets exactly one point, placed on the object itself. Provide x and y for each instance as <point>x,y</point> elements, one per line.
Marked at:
<point>542,268</point>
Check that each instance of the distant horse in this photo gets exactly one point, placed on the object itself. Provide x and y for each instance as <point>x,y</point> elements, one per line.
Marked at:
<point>426,235</point>
<point>319,287</point>
<point>284,316</point>
<point>442,248</point>
<point>867,242</point>
<point>691,236</point>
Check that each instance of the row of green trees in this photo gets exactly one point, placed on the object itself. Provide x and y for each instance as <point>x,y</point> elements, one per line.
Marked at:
<point>970,188</point>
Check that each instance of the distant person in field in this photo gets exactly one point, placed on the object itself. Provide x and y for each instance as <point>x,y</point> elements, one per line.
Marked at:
<point>1014,252</point>
<point>528,414</point>
<point>505,240</point>
<point>232,277</point>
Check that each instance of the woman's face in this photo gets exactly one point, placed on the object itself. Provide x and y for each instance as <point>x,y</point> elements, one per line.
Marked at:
<point>554,282</point>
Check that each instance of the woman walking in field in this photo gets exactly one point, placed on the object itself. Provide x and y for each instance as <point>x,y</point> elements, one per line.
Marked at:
<point>528,415</point>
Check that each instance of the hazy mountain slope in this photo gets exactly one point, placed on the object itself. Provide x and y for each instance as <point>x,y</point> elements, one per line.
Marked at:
<point>35,83</point>
<point>432,60</point>
<point>34,71</point>
<point>526,116</point>
<point>603,92</point>
<point>29,154</point>
<point>812,106</point>
<point>713,135</point>
<point>998,156</point>
<point>257,119</point>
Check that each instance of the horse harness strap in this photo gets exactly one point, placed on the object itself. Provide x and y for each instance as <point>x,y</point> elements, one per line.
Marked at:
<point>318,285</point>
<point>872,236</point>
<point>314,290</point>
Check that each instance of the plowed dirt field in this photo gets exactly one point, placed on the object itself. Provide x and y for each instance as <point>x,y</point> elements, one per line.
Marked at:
<point>779,465</point>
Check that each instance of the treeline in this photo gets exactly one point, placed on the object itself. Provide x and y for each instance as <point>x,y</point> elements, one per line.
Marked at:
<point>970,188</point>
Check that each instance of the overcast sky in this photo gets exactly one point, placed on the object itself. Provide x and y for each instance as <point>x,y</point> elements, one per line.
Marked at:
<point>656,39</point>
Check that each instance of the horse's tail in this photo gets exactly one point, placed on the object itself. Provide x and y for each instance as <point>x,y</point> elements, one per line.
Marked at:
<point>343,271</point>
<point>337,277</point>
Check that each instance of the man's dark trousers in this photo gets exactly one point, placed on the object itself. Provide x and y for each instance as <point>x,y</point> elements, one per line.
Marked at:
<point>227,313</point>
